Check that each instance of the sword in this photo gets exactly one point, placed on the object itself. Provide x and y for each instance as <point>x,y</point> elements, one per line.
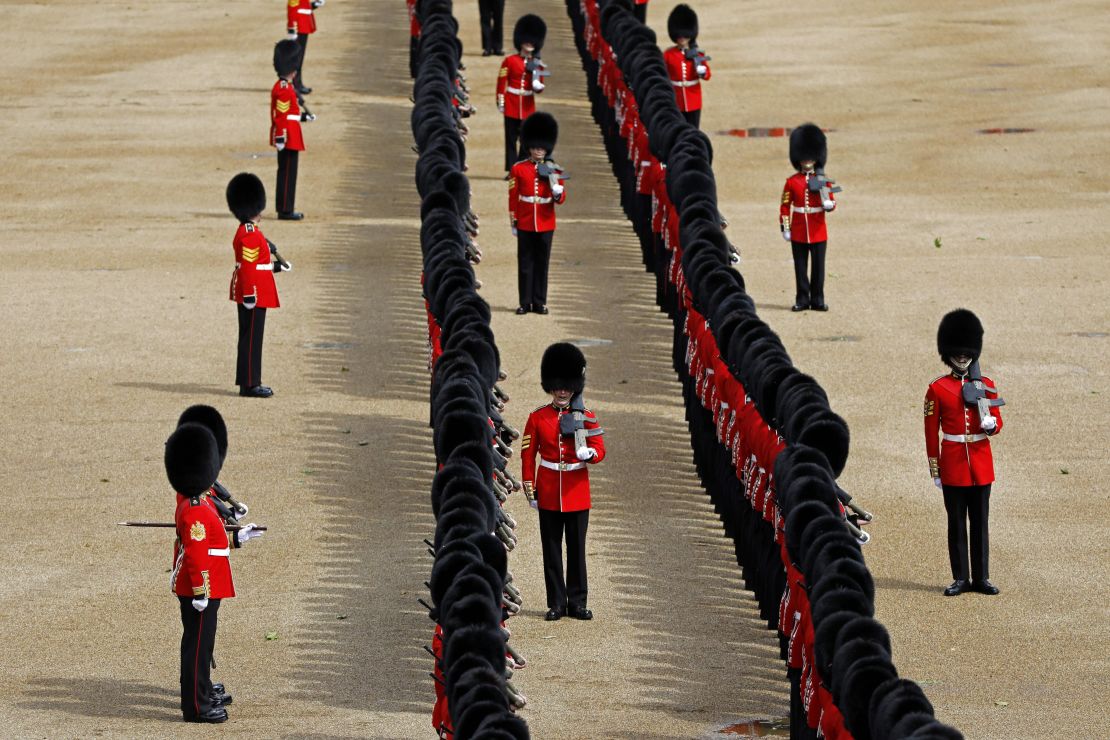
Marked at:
<point>227,527</point>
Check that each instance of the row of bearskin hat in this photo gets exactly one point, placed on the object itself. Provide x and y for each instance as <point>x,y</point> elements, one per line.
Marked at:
<point>766,443</point>
<point>472,593</point>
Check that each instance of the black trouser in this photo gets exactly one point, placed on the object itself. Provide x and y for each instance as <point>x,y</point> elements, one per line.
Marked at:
<point>512,141</point>
<point>643,230</point>
<point>198,638</point>
<point>491,14</point>
<point>286,195</point>
<point>302,41</point>
<point>248,366</point>
<point>964,504</point>
<point>571,592</point>
<point>693,117</point>
<point>414,42</point>
<point>533,255</point>
<point>640,12</point>
<point>811,291</point>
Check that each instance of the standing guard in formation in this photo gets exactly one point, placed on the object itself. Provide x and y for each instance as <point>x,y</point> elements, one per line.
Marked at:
<point>536,185</point>
<point>961,414</point>
<point>252,283</point>
<point>491,17</point>
<point>686,64</point>
<point>806,198</point>
<point>519,81</point>
<point>201,575</point>
<point>565,436</point>
<point>285,128</point>
<point>301,24</point>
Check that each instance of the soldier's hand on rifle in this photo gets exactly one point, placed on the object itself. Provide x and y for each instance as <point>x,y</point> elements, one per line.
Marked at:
<point>786,234</point>
<point>317,3</point>
<point>989,424</point>
<point>537,85</point>
<point>938,484</point>
<point>585,453</point>
<point>557,190</point>
<point>249,301</point>
<point>701,69</point>
<point>248,533</point>
<point>307,116</point>
<point>828,205</point>
<point>200,604</point>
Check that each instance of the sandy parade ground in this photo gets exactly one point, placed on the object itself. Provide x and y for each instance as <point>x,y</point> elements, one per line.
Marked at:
<point>125,121</point>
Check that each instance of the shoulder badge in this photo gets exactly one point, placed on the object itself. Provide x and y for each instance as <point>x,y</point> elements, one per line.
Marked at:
<point>250,255</point>
<point>194,501</point>
<point>930,406</point>
<point>294,3</point>
<point>504,71</point>
<point>196,532</point>
<point>284,83</point>
<point>250,228</point>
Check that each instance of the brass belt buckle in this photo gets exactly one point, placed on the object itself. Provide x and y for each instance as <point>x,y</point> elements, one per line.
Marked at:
<point>562,466</point>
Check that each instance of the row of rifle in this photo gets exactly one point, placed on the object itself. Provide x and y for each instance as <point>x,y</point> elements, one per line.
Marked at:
<point>766,443</point>
<point>472,590</point>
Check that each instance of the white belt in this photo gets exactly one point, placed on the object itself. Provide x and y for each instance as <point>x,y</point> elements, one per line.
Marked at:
<point>684,83</point>
<point>223,553</point>
<point>964,438</point>
<point>304,11</point>
<point>294,116</point>
<point>806,209</point>
<point>515,91</point>
<point>265,267</point>
<point>561,465</point>
<point>533,199</point>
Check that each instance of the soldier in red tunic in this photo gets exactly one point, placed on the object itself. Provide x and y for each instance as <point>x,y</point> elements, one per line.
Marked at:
<point>252,283</point>
<point>957,431</point>
<point>560,488</point>
<point>285,128</point>
<point>686,65</point>
<point>201,575</point>
<point>802,215</point>
<point>536,185</point>
<point>519,81</point>
<point>639,10</point>
<point>301,22</point>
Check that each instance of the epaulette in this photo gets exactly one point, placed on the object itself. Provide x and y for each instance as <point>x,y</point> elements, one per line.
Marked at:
<point>251,228</point>
<point>284,83</point>
<point>938,378</point>
<point>540,408</point>
<point>195,501</point>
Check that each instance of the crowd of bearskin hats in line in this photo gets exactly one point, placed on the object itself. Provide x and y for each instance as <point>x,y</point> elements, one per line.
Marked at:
<point>767,446</point>
<point>471,587</point>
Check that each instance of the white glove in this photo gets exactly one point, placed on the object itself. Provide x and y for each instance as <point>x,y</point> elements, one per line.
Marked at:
<point>537,85</point>
<point>557,190</point>
<point>318,3</point>
<point>200,604</point>
<point>292,35</point>
<point>534,504</point>
<point>248,533</point>
<point>786,235</point>
<point>828,205</point>
<point>308,117</point>
<point>938,484</point>
<point>585,453</point>
<point>249,301</point>
<point>701,69</point>
<point>501,109</point>
<point>989,424</point>
<point>514,231</point>
<point>279,142</point>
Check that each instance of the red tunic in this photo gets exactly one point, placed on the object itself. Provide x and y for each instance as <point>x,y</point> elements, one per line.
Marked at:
<point>968,461</point>
<point>557,490</point>
<point>414,22</point>
<point>202,567</point>
<point>801,212</point>
<point>514,88</point>
<point>301,17</point>
<point>531,204</point>
<point>254,272</point>
<point>684,79</point>
<point>285,115</point>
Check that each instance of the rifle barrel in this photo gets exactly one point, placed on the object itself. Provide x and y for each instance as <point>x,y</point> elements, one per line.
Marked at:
<point>227,527</point>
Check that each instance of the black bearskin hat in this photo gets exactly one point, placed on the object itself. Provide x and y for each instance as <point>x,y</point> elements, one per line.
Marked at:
<point>539,130</point>
<point>808,142</point>
<point>960,333</point>
<point>529,29</point>
<point>192,459</point>
<point>563,368</point>
<point>209,418</point>
<point>287,53</point>
<point>682,23</point>
<point>246,196</point>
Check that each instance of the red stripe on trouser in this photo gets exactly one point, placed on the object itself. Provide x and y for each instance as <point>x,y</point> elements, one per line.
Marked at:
<point>250,350</point>
<point>285,188</point>
<point>196,664</point>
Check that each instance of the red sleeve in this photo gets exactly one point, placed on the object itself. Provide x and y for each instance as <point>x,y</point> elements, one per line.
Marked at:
<point>708,72</point>
<point>597,441</point>
<point>512,193</point>
<point>784,205</point>
<point>562,197</point>
<point>995,412</point>
<point>932,432</point>
<point>502,79</point>
<point>528,450</point>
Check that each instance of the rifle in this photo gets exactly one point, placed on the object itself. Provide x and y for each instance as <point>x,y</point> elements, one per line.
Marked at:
<point>227,527</point>
<point>696,55</point>
<point>281,264</point>
<point>574,423</point>
<point>537,67</point>
<point>975,392</point>
<point>552,171</point>
<point>819,183</point>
